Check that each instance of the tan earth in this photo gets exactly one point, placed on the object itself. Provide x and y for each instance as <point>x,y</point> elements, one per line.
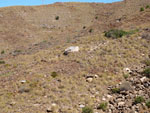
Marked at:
<point>32,43</point>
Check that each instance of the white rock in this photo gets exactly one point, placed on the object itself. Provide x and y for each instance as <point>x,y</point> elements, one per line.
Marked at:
<point>23,81</point>
<point>121,103</point>
<point>89,79</point>
<point>139,37</point>
<point>53,104</point>
<point>143,79</point>
<point>96,76</point>
<point>72,49</point>
<point>49,109</point>
<point>126,71</point>
<point>109,96</point>
<point>82,106</point>
<point>103,98</point>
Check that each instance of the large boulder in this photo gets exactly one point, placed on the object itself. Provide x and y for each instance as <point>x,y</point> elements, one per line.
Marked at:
<point>71,49</point>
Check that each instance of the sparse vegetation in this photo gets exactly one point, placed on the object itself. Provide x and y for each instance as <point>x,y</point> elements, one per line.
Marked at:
<point>39,75</point>
<point>87,110</point>
<point>17,51</point>
<point>141,9</point>
<point>115,33</point>
<point>146,72</point>
<point>138,99</point>
<point>148,104</point>
<point>96,17</point>
<point>102,106</point>
<point>2,62</point>
<point>54,74</point>
<point>91,30</point>
<point>147,6</point>
<point>84,27</point>
<point>125,76</point>
<point>147,62</point>
<point>57,18</point>
<point>2,52</point>
<point>115,90</point>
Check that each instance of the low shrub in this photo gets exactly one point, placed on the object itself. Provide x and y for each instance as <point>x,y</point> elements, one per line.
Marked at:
<point>138,99</point>
<point>147,7</point>
<point>148,104</point>
<point>102,106</point>
<point>125,76</point>
<point>54,74</point>
<point>146,72</point>
<point>96,17</point>
<point>2,62</point>
<point>57,18</point>
<point>91,30</point>
<point>115,90</point>
<point>84,27</point>
<point>147,62</point>
<point>141,9</point>
<point>2,52</point>
<point>115,33</point>
<point>87,110</point>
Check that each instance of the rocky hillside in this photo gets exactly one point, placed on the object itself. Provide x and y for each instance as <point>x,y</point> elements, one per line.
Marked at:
<point>75,58</point>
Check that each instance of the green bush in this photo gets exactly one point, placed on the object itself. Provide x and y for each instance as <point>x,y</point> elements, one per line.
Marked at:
<point>125,76</point>
<point>115,33</point>
<point>84,27</point>
<point>148,104</point>
<point>147,6</point>
<point>2,52</point>
<point>2,62</point>
<point>96,17</point>
<point>138,99</point>
<point>147,62</point>
<point>17,51</point>
<point>146,72</point>
<point>87,110</point>
<point>91,30</point>
<point>57,17</point>
<point>142,9</point>
<point>102,106</point>
<point>115,90</point>
<point>54,74</point>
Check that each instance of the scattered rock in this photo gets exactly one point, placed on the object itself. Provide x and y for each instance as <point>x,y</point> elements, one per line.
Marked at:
<point>82,106</point>
<point>49,109</point>
<point>146,36</point>
<point>124,101</point>
<point>125,86</point>
<point>143,79</point>
<point>109,96</point>
<point>23,81</point>
<point>23,89</point>
<point>121,103</point>
<point>89,79</point>
<point>127,71</point>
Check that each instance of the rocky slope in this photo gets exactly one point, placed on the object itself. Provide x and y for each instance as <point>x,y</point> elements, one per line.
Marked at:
<point>37,77</point>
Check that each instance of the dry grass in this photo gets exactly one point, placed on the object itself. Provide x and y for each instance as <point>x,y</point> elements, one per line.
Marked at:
<point>42,41</point>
